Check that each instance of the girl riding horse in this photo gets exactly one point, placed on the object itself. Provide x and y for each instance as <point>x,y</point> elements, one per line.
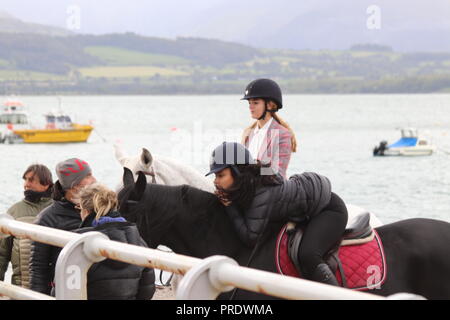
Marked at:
<point>269,138</point>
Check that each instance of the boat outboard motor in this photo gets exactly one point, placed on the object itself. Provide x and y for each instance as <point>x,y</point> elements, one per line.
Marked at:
<point>379,151</point>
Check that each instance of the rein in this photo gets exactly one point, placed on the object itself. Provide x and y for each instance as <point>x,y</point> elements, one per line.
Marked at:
<point>148,173</point>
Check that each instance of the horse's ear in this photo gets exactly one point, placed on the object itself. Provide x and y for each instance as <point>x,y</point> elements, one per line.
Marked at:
<point>146,158</point>
<point>140,186</point>
<point>128,179</point>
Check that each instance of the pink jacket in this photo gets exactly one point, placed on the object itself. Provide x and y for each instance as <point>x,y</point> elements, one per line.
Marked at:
<point>276,147</point>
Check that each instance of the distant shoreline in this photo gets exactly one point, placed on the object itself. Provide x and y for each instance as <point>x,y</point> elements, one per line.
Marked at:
<point>129,64</point>
<point>215,94</point>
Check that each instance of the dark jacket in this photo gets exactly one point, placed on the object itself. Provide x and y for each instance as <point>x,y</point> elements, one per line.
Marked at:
<point>298,199</point>
<point>18,250</point>
<point>60,215</point>
<point>115,280</point>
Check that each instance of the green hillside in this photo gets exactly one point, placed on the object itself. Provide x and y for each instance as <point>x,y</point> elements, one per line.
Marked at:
<point>129,72</point>
<point>122,57</point>
<point>24,76</point>
<point>133,64</point>
<point>10,24</point>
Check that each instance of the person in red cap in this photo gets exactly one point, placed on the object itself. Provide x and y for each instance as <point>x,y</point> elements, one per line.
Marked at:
<point>73,174</point>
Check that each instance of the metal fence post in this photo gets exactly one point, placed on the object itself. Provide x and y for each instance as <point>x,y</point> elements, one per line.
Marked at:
<point>201,282</point>
<point>72,265</point>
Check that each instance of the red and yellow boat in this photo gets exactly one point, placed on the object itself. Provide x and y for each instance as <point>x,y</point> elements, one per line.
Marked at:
<point>78,133</point>
<point>59,127</point>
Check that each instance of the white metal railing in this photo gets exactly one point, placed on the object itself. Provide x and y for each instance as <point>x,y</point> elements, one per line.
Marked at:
<point>19,293</point>
<point>203,278</point>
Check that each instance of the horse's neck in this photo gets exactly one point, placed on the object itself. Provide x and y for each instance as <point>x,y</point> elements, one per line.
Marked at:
<point>180,237</point>
<point>170,172</point>
<point>164,174</point>
<point>201,234</point>
<point>215,235</point>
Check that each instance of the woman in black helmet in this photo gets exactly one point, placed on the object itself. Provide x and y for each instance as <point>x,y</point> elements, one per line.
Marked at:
<point>269,138</point>
<point>255,197</point>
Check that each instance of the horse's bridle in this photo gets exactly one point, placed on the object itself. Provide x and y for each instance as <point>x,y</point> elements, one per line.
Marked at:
<point>148,173</point>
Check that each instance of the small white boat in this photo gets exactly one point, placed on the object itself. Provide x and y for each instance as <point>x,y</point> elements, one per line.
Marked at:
<point>12,115</point>
<point>410,144</point>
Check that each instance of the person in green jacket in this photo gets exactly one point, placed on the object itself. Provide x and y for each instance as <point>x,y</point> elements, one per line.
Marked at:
<point>38,187</point>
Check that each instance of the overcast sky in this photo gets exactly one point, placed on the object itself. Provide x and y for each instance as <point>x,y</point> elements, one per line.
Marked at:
<point>406,24</point>
<point>152,17</point>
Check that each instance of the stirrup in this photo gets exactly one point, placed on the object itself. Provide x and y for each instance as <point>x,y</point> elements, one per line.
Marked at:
<point>324,274</point>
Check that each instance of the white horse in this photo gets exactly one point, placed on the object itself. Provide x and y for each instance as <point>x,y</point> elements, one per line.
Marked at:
<point>163,170</point>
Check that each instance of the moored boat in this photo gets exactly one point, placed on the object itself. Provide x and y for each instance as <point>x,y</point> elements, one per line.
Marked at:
<point>13,115</point>
<point>59,127</point>
<point>410,144</point>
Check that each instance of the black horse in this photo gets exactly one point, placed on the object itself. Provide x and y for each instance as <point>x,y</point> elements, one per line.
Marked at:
<point>193,222</point>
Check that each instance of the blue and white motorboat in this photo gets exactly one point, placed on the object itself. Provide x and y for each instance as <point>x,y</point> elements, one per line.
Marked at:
<point>410,144</point>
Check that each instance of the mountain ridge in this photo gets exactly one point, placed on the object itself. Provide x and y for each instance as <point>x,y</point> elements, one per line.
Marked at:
<point>11,24</point>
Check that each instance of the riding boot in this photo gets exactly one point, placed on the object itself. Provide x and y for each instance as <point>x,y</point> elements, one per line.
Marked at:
<point>324,274</point>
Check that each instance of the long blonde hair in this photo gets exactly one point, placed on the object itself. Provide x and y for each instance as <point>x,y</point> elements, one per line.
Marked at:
<point>271,106</point>
<point>99,199</point>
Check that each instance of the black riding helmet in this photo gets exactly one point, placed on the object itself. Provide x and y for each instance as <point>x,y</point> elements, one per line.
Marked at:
<point>264,89</point>
<point>228,155</point>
